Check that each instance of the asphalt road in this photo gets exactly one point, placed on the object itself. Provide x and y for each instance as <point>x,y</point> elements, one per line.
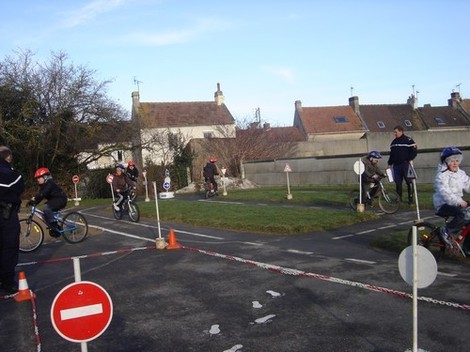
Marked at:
<point>229,291</point>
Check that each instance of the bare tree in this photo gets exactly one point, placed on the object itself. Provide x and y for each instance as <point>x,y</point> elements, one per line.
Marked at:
<point>252,142</point>
<point>51,111</point>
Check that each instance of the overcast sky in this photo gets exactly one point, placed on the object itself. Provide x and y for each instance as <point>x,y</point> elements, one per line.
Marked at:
<point>265,53</point>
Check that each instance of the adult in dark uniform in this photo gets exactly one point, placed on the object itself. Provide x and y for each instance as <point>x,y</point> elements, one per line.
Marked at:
<point>403,149</point>
<point>11,188</point>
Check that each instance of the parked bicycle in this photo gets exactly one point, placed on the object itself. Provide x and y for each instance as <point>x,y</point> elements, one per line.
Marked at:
<point>127,206</point>
<point>73,227</point>
<point>428,236</point>
<point>388,200</point>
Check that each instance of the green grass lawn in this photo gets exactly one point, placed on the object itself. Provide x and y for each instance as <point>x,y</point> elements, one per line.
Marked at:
<point>313,209</point>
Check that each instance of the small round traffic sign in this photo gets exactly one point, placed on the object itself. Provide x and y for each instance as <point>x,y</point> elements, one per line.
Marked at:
<point>75,179</point>
<point>81,311</point>
<point>427,266</point>
<point>109,178</point>
<point>359,167</point>
<point>166,185</point>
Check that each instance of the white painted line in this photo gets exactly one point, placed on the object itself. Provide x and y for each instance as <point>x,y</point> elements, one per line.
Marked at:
<point>367,231</point>
<point>144,225</point>
<point>340,237</point>
<point>299,252</point>
<point>446,274</point>
<point>253,243</point>
<point>386,227</point>
<point>80,312</point>
<point>360,261</point>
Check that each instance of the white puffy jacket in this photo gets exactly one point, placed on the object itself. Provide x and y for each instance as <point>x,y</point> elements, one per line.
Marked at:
<point>449,187</point>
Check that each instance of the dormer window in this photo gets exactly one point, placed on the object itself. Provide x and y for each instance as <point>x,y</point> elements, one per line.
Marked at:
<point>341,119</point>
<point>440,121</point>
<point>380,124</point>
<point>408,123</point>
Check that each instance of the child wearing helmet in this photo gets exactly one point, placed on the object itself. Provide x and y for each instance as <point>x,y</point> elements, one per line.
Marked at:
<point>209,172</point>
<point>371,175</point>
<point>55,196</point>
<point>132,171</point>
<point>449,186</point>
<point>121,185</point>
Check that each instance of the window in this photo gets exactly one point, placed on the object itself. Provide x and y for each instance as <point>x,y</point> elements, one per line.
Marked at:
<point>380,124</point>
<point>440,121</point>
<point>408,123</point>
<point>208,134</point>
<point>341,119</point>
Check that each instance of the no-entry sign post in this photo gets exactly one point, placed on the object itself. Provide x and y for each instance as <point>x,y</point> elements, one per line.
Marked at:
<point>75,180</point>
<point>81,311</point>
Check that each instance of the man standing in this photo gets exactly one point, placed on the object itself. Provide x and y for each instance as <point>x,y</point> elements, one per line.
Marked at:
<point>11,188</point>
<point>403,149</point>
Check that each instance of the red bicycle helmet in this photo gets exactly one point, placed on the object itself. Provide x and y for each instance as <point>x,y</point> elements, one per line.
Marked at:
<point>42,171</point>
<point>213,159</point>
<point>131,163</point>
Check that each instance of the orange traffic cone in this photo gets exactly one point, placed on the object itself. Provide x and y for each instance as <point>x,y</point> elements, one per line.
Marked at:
<point>24,293</point>
<point>172,243</point>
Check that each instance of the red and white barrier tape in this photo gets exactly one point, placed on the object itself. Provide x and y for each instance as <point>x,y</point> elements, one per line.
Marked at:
<point>295,272</point>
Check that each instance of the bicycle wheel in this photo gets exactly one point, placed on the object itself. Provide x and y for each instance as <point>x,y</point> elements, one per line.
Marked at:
<point>75,227</point>
<point>389,202</point>
<point>31,235</point>
<point>133,211</point>
<point>428,237</point>
<point>117,213</point>
<point>354,200</point>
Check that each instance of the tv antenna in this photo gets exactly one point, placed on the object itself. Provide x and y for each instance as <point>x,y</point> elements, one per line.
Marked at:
<point>137,83</point>
<point>458,86</point>
<point>352,89</point>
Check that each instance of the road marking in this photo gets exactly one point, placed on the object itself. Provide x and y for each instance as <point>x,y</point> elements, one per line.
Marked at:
<point>145,225</point>
<point>386,227</point>
<point>366,231</point>
<point>446,274</point>
<point>80,312</point>
<point>299,252</point>
<point>360,261</point>
<point>345,236</point>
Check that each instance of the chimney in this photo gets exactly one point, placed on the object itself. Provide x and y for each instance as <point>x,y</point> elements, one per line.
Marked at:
<point>266,126</point>
<point>454,100</point>
<point>413,101</point>
<point>135,98</point>
<point>219,96</point>
<point>354,103</point>
<point>298,105</point>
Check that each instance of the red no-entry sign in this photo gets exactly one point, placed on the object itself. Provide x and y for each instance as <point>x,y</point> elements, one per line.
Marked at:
<point>75,179</point>
<point>81,311</point>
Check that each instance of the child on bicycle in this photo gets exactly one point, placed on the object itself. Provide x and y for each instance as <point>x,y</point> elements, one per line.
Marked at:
<point>55,196</point>
<point>371,175</point>
<point>209,173</point>
<point>121,185</point>
<point>449,186</point>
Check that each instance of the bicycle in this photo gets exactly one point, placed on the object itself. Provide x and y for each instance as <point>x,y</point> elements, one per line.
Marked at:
<point>428,236</point>
<point>209,190</point>
<point>389,200</point>
<point>73,227</point>
<point>127,206</point>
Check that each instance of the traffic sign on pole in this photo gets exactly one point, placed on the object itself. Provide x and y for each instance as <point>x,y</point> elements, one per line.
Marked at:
<point>75,179</point>
<point>109,178</point>
<point>81,311</point>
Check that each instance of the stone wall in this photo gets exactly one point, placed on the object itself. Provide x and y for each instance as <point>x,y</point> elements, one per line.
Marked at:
<point>331,162</point>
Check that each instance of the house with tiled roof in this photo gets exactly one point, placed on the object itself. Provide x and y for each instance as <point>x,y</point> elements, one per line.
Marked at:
<point>450,117</point>
<point>384,117</point>
<point>191,119</point>
<point>328,122</point>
